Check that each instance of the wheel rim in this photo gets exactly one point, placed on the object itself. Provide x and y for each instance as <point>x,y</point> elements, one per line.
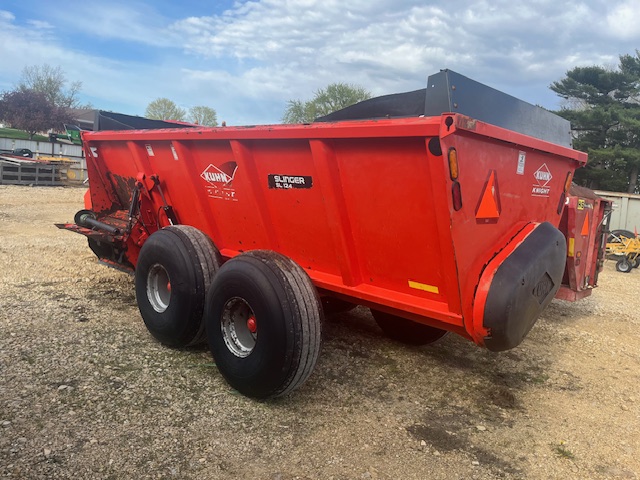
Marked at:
<point>158,288</point>
<point>624,266</point>
<point>239,327</point>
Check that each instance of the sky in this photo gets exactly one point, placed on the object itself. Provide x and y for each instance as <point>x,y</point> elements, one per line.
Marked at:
<point>247,59</point>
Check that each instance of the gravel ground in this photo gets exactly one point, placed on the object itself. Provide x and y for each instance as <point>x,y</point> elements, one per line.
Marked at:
<point>86,392</point>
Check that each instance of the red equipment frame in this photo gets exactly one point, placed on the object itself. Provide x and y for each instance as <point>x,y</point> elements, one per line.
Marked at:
<point>583,224</point>
<point>414,216</point>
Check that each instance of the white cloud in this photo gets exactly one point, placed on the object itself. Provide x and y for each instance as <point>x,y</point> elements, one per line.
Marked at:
<point>102,78</point>
<point>249,60</point>
<point>6,16</point>
<point>622,21</point>
<point>386,44</point>
<point>40,24</point>
<point>132,21</point>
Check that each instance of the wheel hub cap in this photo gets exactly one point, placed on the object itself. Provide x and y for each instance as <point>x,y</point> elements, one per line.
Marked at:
<point>158,288</point>
<point>239,327</point>
<point>251,325</point>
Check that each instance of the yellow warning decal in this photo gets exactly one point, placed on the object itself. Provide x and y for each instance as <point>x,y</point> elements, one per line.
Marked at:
<point>572,242</point>
<point>424,286</point>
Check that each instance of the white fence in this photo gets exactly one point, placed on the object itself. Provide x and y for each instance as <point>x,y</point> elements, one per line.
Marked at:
<point>74,173</point>
<point>73,152</point>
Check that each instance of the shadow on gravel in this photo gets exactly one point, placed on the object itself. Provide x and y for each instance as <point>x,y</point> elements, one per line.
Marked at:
<point>117,294</point>
<point>504,374</point>
<point>446,433</point>
<point>461,384</point>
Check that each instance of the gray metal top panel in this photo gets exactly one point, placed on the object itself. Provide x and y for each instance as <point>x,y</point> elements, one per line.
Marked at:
<point>448,91</point>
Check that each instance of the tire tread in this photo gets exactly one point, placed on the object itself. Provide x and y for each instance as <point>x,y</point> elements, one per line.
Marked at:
<point>200,260</point>
<point>208,260</point>
<point>308,331</point>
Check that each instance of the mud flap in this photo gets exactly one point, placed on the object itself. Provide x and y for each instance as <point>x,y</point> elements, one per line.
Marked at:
<point>521,286</point>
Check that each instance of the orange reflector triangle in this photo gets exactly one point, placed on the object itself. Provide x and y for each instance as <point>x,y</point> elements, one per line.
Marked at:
<point>488,207</point>
<point>585,226</point>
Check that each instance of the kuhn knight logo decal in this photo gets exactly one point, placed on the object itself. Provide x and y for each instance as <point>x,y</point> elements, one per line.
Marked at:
<point>543,177</point>
<point>220,180</point>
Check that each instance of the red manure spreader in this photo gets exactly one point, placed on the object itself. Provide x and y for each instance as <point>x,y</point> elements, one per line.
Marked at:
<point>437,209</point>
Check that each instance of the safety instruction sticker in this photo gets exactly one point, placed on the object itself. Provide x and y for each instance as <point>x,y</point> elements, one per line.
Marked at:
<point>522,158</point>
<point>173,152</point>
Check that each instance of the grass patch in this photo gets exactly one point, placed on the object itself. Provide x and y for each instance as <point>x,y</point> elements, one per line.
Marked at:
<point>540,379</point>
<point>21,135</point>
<point>563,452</point>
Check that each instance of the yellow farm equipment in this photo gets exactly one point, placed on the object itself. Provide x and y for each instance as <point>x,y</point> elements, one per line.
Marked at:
<point>625,247</point>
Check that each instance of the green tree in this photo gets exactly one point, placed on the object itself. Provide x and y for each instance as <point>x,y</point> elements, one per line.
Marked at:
<point>203,116</point>
<point>31,111</point>
<point>165,109</point>
<point>605,118</point>
<point>51,82</point>
<point>327,100</point>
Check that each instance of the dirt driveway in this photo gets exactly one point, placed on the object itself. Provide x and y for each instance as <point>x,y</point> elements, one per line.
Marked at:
<point>86,392</point>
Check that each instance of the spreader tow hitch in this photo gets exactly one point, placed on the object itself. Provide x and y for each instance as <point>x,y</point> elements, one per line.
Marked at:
<point>87,219</point>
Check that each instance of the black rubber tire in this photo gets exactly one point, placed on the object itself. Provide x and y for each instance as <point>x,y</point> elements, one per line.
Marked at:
<point>614,235</point>
<point>406,331</point>
<point>623,265</point>
<point>288,324</point>
<point>190,260</point>
<point>334,306</point>
<point>635,262</point>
